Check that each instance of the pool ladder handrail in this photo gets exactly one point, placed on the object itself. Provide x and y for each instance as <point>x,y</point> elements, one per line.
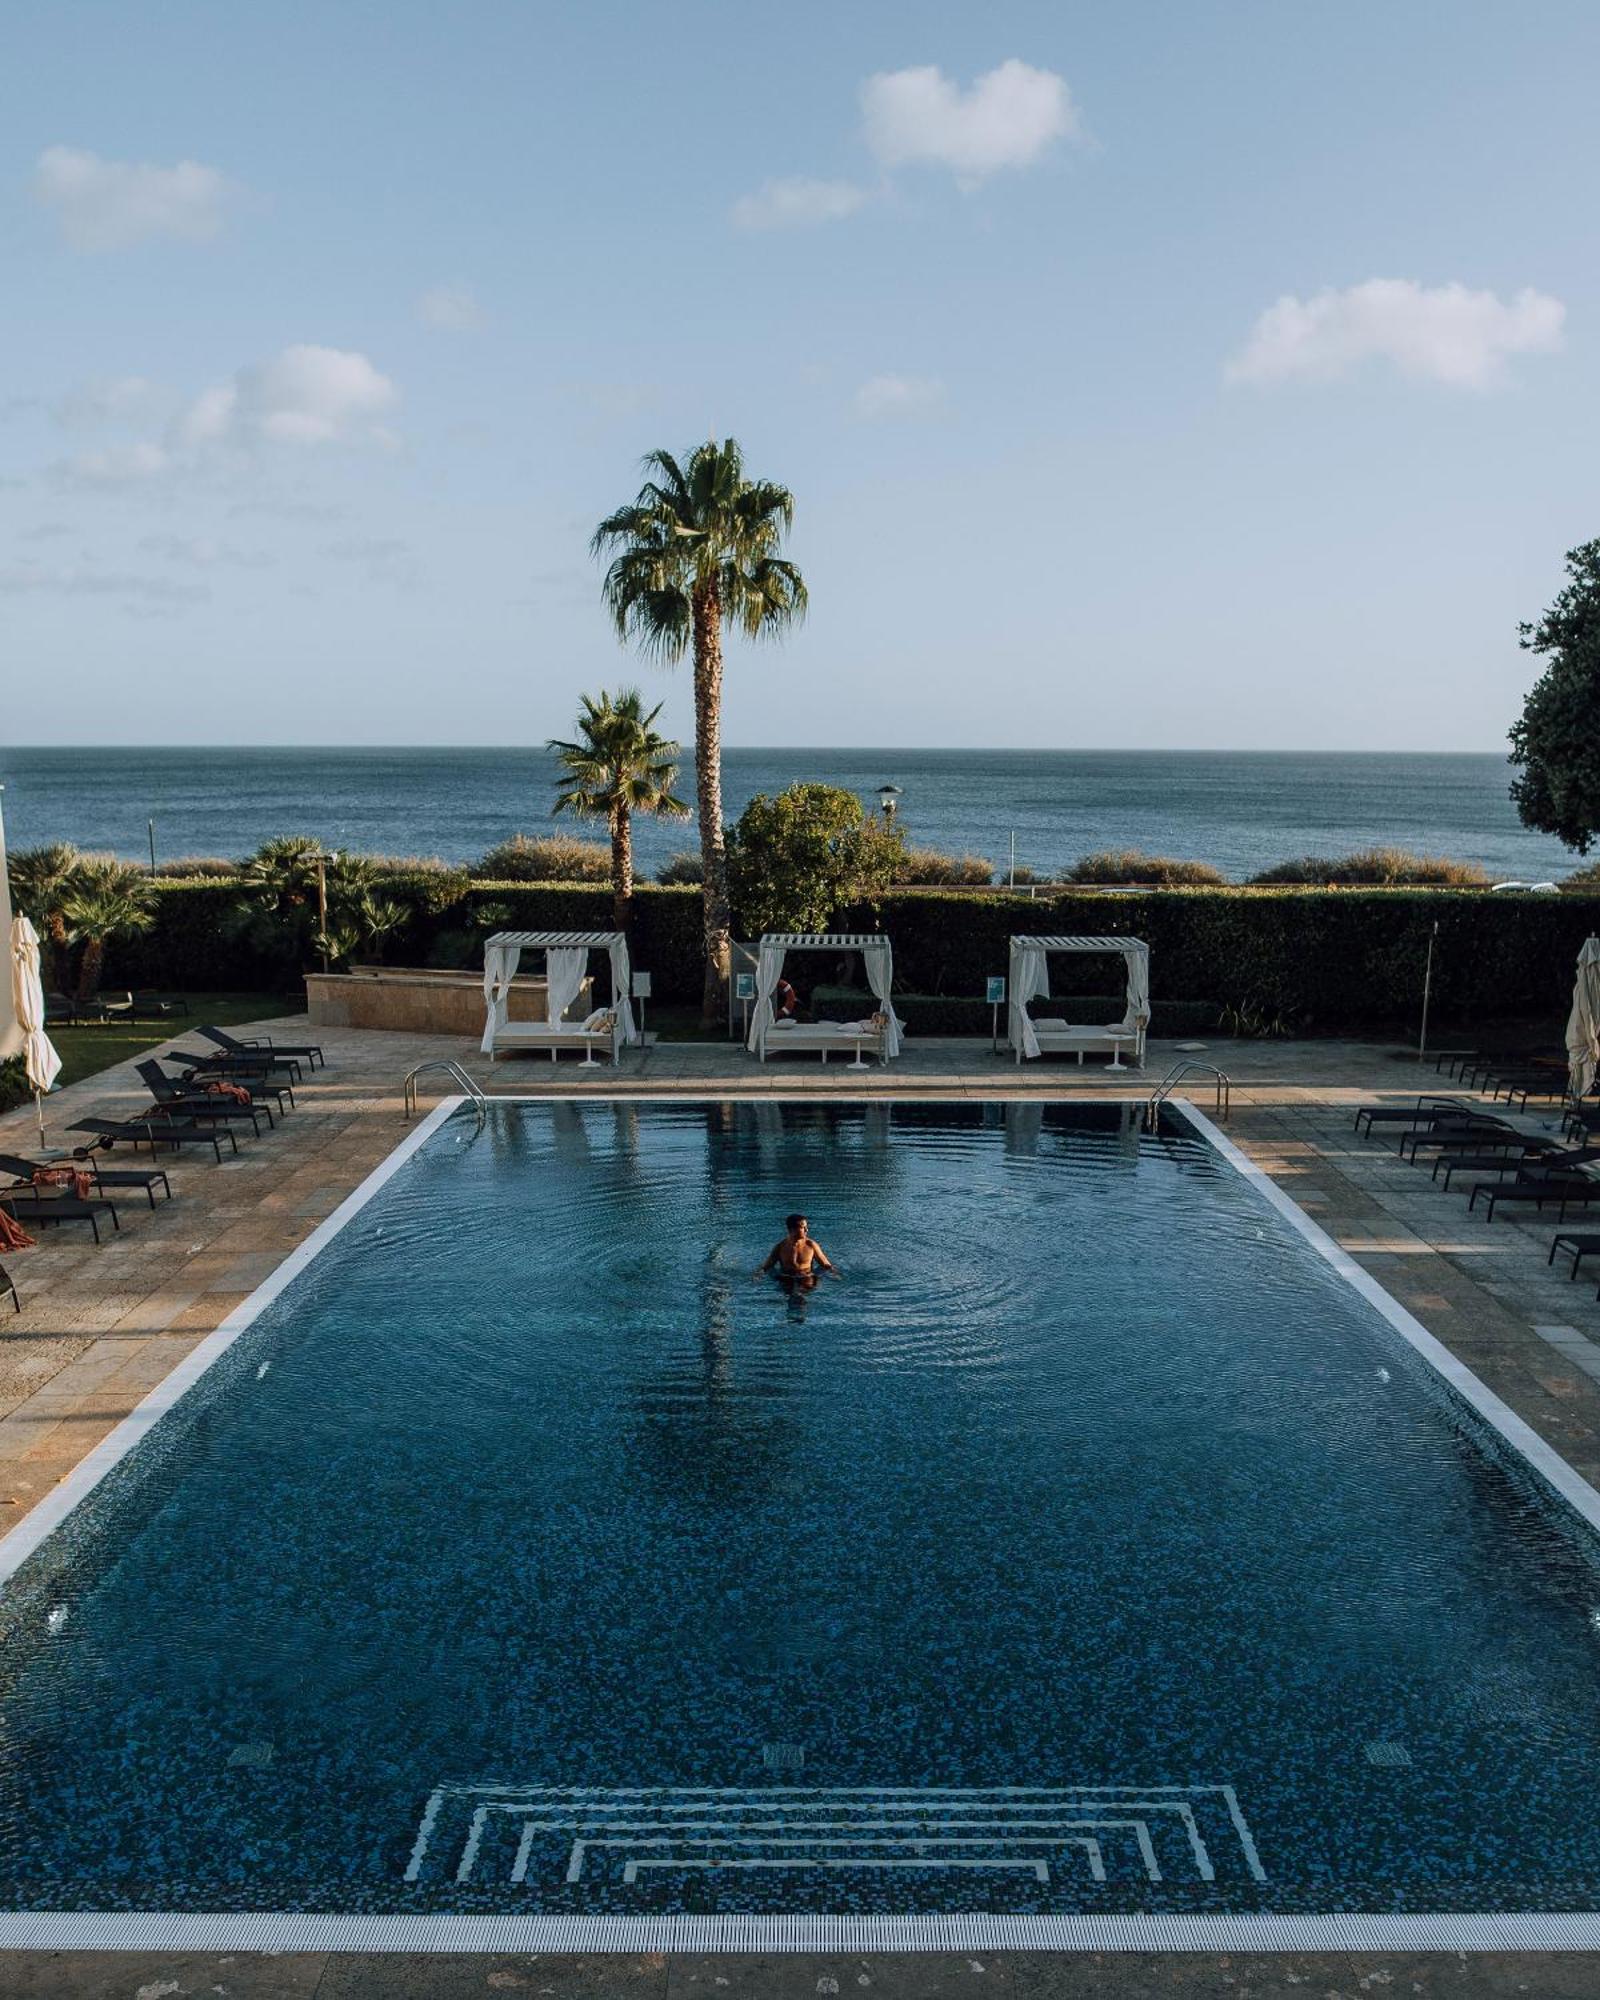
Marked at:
<point>1170,1082</point>
<point>453,1069</point>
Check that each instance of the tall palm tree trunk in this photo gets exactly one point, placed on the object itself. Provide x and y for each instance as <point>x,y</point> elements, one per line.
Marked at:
<point>94,957</point>
<point>621,866</point>
<point>708,793</point>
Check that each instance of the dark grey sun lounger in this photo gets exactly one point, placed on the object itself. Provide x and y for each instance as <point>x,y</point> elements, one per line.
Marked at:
<point>1565,1190</point>
<point>29,1205</point>
<point>201,1105</point>
<point>103,1177</point>
<point>265,1046</point>
<point>1425,1111</point>
<point>262,1080</point>
<point>1578,1244</point>
<point>6,1285</point>
<point>156,1131</point>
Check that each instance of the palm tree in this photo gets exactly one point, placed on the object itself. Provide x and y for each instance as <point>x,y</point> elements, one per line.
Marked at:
<point>697,546</point>
<point>618,766</point>
<point>108,900</point>
<point>41,880</point>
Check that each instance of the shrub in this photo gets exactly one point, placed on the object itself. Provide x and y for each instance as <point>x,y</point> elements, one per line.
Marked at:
<point>1583,881</point>
<point>928,867</point>
<point>197,868</point>
<point>1373,868</point>
<point>546,857</point>
<point>793,859</point>
<point>13,1083</point>
<point>1127,864</point>
<point>685,870</point>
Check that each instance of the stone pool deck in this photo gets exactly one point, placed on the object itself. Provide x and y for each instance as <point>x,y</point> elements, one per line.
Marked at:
<point>101,1326</point>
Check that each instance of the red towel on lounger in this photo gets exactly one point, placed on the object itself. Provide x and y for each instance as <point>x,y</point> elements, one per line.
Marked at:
<point>64,1177</point>
<point>12,1234</point>
<point>236,1091</point>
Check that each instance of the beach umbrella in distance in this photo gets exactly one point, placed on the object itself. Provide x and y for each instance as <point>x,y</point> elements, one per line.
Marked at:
<point>39,1057</point>
<point>1583,1023</point>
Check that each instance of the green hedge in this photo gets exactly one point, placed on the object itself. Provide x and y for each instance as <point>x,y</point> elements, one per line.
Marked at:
<point>1319,960</point>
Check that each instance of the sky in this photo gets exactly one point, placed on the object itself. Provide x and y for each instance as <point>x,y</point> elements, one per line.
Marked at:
<point>1215,375</point>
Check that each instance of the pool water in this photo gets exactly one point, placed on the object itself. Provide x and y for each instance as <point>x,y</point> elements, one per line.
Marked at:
<point>1090,1546</point>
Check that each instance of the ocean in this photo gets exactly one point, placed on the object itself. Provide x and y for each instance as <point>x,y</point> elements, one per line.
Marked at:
<point>1240,811</point>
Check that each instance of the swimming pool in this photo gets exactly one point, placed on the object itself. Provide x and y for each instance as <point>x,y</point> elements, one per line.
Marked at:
<point>1100,1561</point>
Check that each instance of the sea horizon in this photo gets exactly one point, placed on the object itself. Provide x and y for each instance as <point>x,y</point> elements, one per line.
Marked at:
<point>1240,810</point>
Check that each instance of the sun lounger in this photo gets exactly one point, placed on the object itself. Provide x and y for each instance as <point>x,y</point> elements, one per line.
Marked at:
<point>1451,1134</point>
<point>1423,1112</point>
<point>202,1106</point>
<point>6,1285</point>
<point>278,1073</point>
<point>824,1038</point>
<point>265,1045</point>
<point>600,1033</point>
<point>1569,1186</point>
<point>32,1205</point>
<point>154,1131</point>
<point>1578,1244</point>
<point>1066,1038</point>
<point>103,1177</point>
<point>148,1006</point>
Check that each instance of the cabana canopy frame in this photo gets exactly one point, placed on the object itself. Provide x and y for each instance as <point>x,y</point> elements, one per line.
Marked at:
<point>876,954</point>
<point>1030,979</point>
<point>566,960</point>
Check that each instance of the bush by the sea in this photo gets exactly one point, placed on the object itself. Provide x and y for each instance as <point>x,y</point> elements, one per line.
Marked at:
<point>546,857</point>
<point>1124,865</point>
<point>1375,868</point>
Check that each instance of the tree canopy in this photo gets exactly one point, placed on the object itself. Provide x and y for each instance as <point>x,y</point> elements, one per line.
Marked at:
<point>795,859</point>
<point>1556,740</point>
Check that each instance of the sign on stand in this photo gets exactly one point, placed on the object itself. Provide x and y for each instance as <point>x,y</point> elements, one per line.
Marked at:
<point>995,994</point>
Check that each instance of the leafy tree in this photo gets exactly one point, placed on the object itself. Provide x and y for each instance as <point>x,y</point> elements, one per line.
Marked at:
<point>618,765</point>
<point>1556,740</point>
<point>795,859</point>
<point>277,914</point>
<point>698,546</point>
<point>108,900</point>
<point>41,880</point>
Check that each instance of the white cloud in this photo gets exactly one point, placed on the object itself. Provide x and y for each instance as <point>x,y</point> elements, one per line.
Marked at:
<point>1009,118</point>
<point>110,204</point>
<point>385,559</point>
<point>451,308</point>
<point>117,465</point>
<point>202,552</point>
<point>797,203</point>
<point>305,395</point>
<point>899,396</point>
<point>45,531</point>
<point>1442,333</point>
<point>124,399</point>
<point>84,580</point>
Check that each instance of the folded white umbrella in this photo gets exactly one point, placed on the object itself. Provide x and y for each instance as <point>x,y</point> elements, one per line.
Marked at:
<point>1583,1023</point>
<point>39,1056</point>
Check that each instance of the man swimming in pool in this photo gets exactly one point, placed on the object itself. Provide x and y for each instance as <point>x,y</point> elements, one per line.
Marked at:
<point>798,1254</point>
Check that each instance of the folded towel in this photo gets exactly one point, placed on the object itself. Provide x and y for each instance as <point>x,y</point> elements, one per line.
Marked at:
<point>601,1021</point>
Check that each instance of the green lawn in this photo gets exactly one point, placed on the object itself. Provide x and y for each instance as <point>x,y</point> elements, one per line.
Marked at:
<point>85,1051</point>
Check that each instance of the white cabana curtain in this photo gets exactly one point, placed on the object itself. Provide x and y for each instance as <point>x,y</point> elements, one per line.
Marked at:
<point>1137,1018</point>
<point>500,962</point>
<point>1583,1023</point>
<point>769,970</point>
<point>39,1057</point>
<point>878,957</point>
<point>622,989</point>
<point>564,967</point>
<point>1030,980</point>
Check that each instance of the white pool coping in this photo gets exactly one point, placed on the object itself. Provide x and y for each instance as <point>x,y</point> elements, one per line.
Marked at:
<point>437,1932</point>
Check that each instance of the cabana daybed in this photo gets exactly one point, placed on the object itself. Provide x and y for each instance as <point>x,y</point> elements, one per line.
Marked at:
<point>1030,980</point>
<point>566,957</point>
<point>878,1035</point>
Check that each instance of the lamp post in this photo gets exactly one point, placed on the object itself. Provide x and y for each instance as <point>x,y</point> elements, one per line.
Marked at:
<point>152,827</point>
<point>889,797</point>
